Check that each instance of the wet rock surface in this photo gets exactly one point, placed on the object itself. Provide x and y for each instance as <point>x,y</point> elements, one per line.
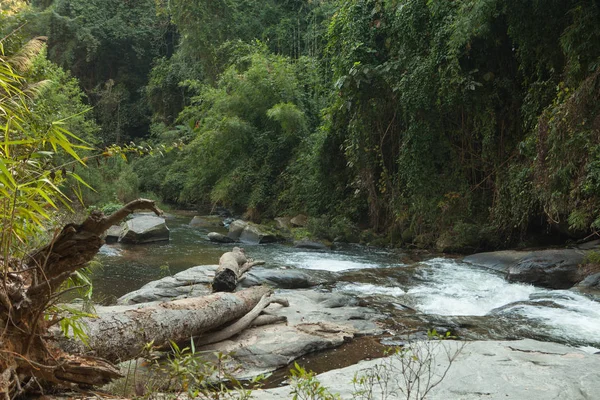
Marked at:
<point>524,369</point>
<point>554,269</point>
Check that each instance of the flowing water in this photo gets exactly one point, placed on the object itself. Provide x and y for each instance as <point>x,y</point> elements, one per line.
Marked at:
<point>440,292</point>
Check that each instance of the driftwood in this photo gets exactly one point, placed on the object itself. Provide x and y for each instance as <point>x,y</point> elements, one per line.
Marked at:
<point>232,267</point>
<point>120,333</point>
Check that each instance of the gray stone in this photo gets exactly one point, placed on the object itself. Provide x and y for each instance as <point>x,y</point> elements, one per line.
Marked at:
<point>591,282</point>
<point>219,238</point>
<point>555,268</point>
<point>207,221</point>
<point>498,261</point>
<point>310,244</point>
<point>300,220</point>
<point>311,326</point>
<point>189,283</point>
<point>236,228</point>
<point>256,234</point>
<point>144,229</point>
<point>113,233</point>
<point>524,369</point>
<point>196,281</point>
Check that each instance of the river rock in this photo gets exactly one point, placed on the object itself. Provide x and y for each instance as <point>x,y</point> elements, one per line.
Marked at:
<point>219,238</point>
<point>524,369</point>
<point>144,229</point>
<point>312,325</point>
<point>299,220</point>
<point>236,228</point>
<point>196,281</point>
<point>499,261</point>
<point>310,244</point>
<point>554,269</point>
<point>113,233</point>
<point>256,234</point>
<point>207,221</point>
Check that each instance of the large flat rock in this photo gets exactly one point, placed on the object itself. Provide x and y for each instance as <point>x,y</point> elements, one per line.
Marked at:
<point>144,229</point>
<point>196,281</point>
<point>553,268</point>
<point>315,321</point>
<point>524,369</point>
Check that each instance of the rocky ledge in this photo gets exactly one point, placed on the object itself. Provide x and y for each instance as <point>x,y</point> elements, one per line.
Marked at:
<point>553,269</point>
<point>524,369</point>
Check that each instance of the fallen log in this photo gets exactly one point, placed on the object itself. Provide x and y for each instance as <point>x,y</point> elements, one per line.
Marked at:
<point>120,333</point>
<point>240,324</point>
<point>232,267</point>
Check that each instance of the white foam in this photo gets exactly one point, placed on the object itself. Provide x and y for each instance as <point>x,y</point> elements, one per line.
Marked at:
<point>324,261</point>
<point>575,317</point>
<point>453,288</point>
<point>369,289</point>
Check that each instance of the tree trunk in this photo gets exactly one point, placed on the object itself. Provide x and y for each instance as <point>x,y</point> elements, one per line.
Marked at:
<point>29,287</point>
<point>120,333</point>
<point>232,267</point>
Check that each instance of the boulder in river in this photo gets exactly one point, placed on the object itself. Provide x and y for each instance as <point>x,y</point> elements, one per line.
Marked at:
<point>113,233</point>
<point>144,229</point>
<point>554,269</point>
<point>219,238</point>
<point>258,234</point>
<point>207,221</point>
<point>236,228</point>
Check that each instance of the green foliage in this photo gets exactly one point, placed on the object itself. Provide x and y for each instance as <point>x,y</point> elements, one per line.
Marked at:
<point>244,132</point>
<point>411,371</point>
<point>188,372</point>
<point>304,386</point>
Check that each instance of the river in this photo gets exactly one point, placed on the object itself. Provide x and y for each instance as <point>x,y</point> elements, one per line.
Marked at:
<point>439,292</point>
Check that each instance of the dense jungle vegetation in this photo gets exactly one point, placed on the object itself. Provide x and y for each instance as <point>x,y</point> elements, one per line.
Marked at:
<point>462,124</point>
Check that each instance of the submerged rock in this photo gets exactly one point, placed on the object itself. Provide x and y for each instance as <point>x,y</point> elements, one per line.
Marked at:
<point>144,229</point>
<point>524,369</point>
